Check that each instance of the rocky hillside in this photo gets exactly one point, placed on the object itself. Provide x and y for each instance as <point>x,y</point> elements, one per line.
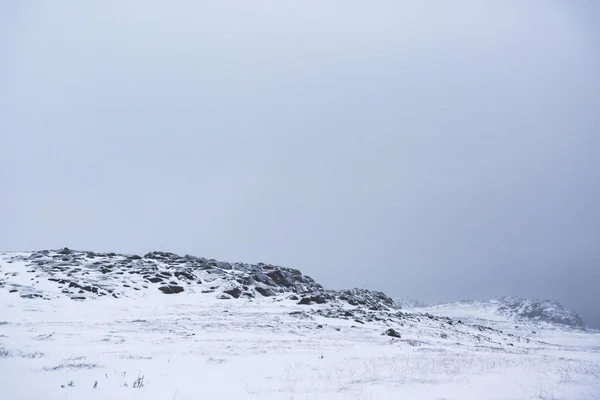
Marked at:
<point>515,309</point>
<point>83,279</point>
<point>541,310</point>
<point>86,275</point>
<point>82,275</point>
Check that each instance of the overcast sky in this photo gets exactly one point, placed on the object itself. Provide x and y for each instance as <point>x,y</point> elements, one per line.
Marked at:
<point>437,150</point>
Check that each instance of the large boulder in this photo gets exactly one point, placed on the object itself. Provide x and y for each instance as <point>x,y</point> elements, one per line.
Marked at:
<point>171,289</point>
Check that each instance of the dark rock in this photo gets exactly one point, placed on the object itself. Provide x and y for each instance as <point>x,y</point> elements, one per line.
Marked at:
<point>90,289</point>
<point>305,301</point>
<point>65,251</point>
<point>246,280</point>
<point>263,278</point>
<point>171,289</point>
<point>154,279</point>
<point>31,296</point>
<point>235,292</point>
<point>224,265</point>
<point>265,291</point>
<point>160,255</point>
<point>279,278</point>
<point>186,275</point>
<point>392,332</point>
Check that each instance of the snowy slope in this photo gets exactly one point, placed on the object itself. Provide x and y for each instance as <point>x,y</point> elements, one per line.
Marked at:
<point>511,310</point>
<point>407,302</point>
<point>81,325</point>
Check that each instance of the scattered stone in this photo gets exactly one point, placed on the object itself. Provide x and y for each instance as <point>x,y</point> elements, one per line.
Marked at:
<point>235,292</point>
<point>392,332</point>
<point>267,292</point>
<point>171,289</point>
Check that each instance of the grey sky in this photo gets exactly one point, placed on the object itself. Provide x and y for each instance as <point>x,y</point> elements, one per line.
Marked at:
<point>439,150</point>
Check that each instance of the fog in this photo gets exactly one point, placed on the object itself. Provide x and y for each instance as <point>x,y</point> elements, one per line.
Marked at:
<point>441,151</point>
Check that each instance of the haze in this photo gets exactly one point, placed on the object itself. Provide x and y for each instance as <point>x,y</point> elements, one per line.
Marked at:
<point>440,151</point>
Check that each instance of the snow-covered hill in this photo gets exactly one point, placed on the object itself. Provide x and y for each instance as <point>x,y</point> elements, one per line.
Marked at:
<point>512,310</point>
<point>89,325</point>
<point>82,275</point>
<point>407,302</point>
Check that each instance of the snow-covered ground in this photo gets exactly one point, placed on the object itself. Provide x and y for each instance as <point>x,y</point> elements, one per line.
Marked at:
<point>194,345</point>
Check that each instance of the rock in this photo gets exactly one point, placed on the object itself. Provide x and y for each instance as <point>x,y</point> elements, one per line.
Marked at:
<point>279,278</point>
<point>235,292</point>
<point>154,279</point>
<point>319,299</point>
<point>224,265</point>
<point>171,289</point>
<point>31,296</point>
<point>305,301</point>
<point>92,289</point>
<point>186,275</point>
<point>392,332</point>
<point>265,291</point>
<point>66,250</point>
<point>263,278</point>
